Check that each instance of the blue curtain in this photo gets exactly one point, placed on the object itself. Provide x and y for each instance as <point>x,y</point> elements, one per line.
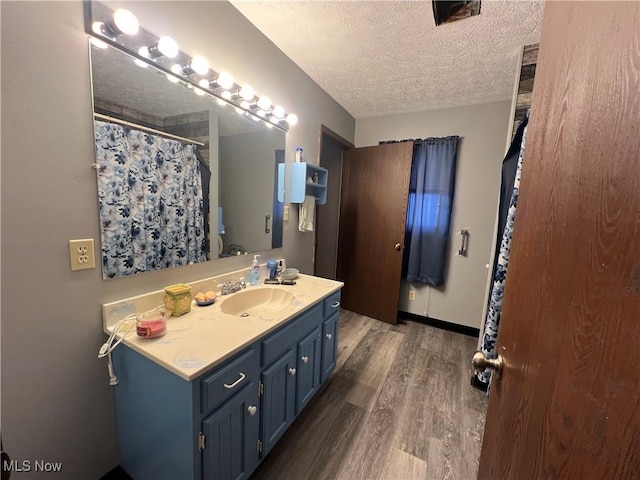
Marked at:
<point>431,189</point>
<point>150,199</point>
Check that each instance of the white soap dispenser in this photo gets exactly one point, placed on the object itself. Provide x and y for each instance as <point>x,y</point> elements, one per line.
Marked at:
<point>254,278</point>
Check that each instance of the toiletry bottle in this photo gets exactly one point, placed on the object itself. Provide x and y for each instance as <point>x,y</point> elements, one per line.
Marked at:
<point>255,271</point>
<point>298,154</point>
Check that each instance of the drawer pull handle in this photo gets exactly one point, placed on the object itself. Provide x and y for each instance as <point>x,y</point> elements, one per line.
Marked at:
<point>242,375</point>
<point>329,336</point>
<point>292,371</point>
<point>252,410</point>
<point>335,305</point>
<point>305,359</point>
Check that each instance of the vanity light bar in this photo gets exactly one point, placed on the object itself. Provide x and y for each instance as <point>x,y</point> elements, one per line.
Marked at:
<point>121,30</point>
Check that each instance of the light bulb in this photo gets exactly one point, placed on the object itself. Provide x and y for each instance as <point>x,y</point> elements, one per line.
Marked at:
<point>247,93</point>
<point>246,105</point>
<point>255,119</point>
<point>204,83</point>
<point>199,91</point>
<point>126,21</point>
<point>176,68</point>
<point>225,80</point>
<point>269,125</point>
<point>292,119</point>
<point>199,65</point>
<point>264,103</point>
<point>96,27</point>
<point>260,113</point>
<point>278,112</point>
<point>168,47</point>
<point>226,95</point>
<point>144,52</point>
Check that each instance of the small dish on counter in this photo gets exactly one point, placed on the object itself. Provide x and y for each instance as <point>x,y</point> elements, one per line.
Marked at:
<point>205,299</point>
<point>289,273</point>
<point>205,303</point>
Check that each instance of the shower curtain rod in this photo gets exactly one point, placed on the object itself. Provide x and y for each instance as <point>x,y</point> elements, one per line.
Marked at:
<point>146,129</point>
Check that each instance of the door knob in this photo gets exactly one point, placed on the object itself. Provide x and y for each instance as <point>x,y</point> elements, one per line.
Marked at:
<point>397,246</point>
<point>252,410</point>
<point>480,363</point>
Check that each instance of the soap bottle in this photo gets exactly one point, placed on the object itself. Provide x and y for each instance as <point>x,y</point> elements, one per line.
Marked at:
<point>254,279</point>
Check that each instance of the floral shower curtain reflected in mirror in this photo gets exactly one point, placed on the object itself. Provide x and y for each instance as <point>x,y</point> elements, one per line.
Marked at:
<point>150,199</point>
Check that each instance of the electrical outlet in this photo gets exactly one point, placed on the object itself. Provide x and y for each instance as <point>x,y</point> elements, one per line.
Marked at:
<point>285,214</point>
<point>81,254</point>
<point>412,294</point>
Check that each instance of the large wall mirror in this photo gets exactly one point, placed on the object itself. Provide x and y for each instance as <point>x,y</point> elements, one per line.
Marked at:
<point>182,177</point>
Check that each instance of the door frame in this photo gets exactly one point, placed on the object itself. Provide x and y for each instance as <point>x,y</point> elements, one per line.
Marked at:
<point>329,136</point>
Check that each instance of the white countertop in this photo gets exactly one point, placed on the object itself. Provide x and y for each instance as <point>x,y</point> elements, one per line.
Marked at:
<point>204,337</point>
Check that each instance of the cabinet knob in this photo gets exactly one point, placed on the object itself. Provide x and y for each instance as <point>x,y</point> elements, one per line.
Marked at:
<point>251,410</point>
<point>292,371</point>
<point>329,336</point>
<point>305,359</point>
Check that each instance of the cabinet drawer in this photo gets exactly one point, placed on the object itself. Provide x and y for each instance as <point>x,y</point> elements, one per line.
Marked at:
<point>331,304</point>
<point>278,343</point>
<point>224,382</point>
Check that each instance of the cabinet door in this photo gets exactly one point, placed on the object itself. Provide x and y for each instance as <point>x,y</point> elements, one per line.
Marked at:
<point>329,345</point>
<point>278,398</point>
<point>308,368</point>
<point>231,437</point>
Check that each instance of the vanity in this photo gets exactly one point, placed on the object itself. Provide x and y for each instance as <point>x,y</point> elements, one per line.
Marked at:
<point>212,396</point>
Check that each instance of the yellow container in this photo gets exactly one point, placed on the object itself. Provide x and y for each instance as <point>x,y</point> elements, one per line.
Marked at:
<point>177,299</point>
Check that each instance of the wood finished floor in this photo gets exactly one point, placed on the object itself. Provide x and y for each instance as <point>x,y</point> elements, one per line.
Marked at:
<point>398,406</point>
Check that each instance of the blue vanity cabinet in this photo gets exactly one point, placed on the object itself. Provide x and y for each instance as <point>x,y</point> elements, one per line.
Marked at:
<point>221,424</point>
<point>308,368</point>
<point>231,437</point>
<point>329,346</point>
<point>278,390</point>
<point>331,309</point>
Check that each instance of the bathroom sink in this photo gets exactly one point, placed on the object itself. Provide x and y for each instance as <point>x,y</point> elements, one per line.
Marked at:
<point>258,302</point>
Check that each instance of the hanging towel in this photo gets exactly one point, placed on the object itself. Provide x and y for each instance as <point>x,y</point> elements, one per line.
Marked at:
<point>306,214</point>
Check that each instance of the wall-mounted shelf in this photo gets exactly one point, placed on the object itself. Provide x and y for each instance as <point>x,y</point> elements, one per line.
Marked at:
<point>302,184</point>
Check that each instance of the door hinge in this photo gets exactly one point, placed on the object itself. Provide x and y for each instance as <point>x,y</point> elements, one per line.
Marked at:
<point>259,446</point>
<point>201,440</point>
<point>260,388</point>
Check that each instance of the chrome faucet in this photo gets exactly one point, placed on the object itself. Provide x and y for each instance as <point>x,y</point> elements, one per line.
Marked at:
<point>228,287</point>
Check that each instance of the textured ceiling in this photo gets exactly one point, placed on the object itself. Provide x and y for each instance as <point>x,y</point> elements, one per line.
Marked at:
<point>382,57</point>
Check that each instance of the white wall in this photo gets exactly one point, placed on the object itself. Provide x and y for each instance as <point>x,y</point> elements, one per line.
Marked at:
<point>483,130</point>
<point>56,403</point>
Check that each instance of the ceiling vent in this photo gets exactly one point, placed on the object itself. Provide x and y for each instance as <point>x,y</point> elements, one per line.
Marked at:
<point>452,11</point>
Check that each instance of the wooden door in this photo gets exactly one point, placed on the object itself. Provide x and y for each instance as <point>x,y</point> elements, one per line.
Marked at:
<point>375,187</point>
<point>568,403</point>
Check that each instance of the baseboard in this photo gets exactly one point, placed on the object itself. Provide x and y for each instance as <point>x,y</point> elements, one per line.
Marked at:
<point>434,322</point>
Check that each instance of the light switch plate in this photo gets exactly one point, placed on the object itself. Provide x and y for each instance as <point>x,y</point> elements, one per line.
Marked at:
<point>81,254</point>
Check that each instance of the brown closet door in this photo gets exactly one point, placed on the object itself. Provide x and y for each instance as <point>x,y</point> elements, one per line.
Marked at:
<point>373,212</point>
<point>568,403</point>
